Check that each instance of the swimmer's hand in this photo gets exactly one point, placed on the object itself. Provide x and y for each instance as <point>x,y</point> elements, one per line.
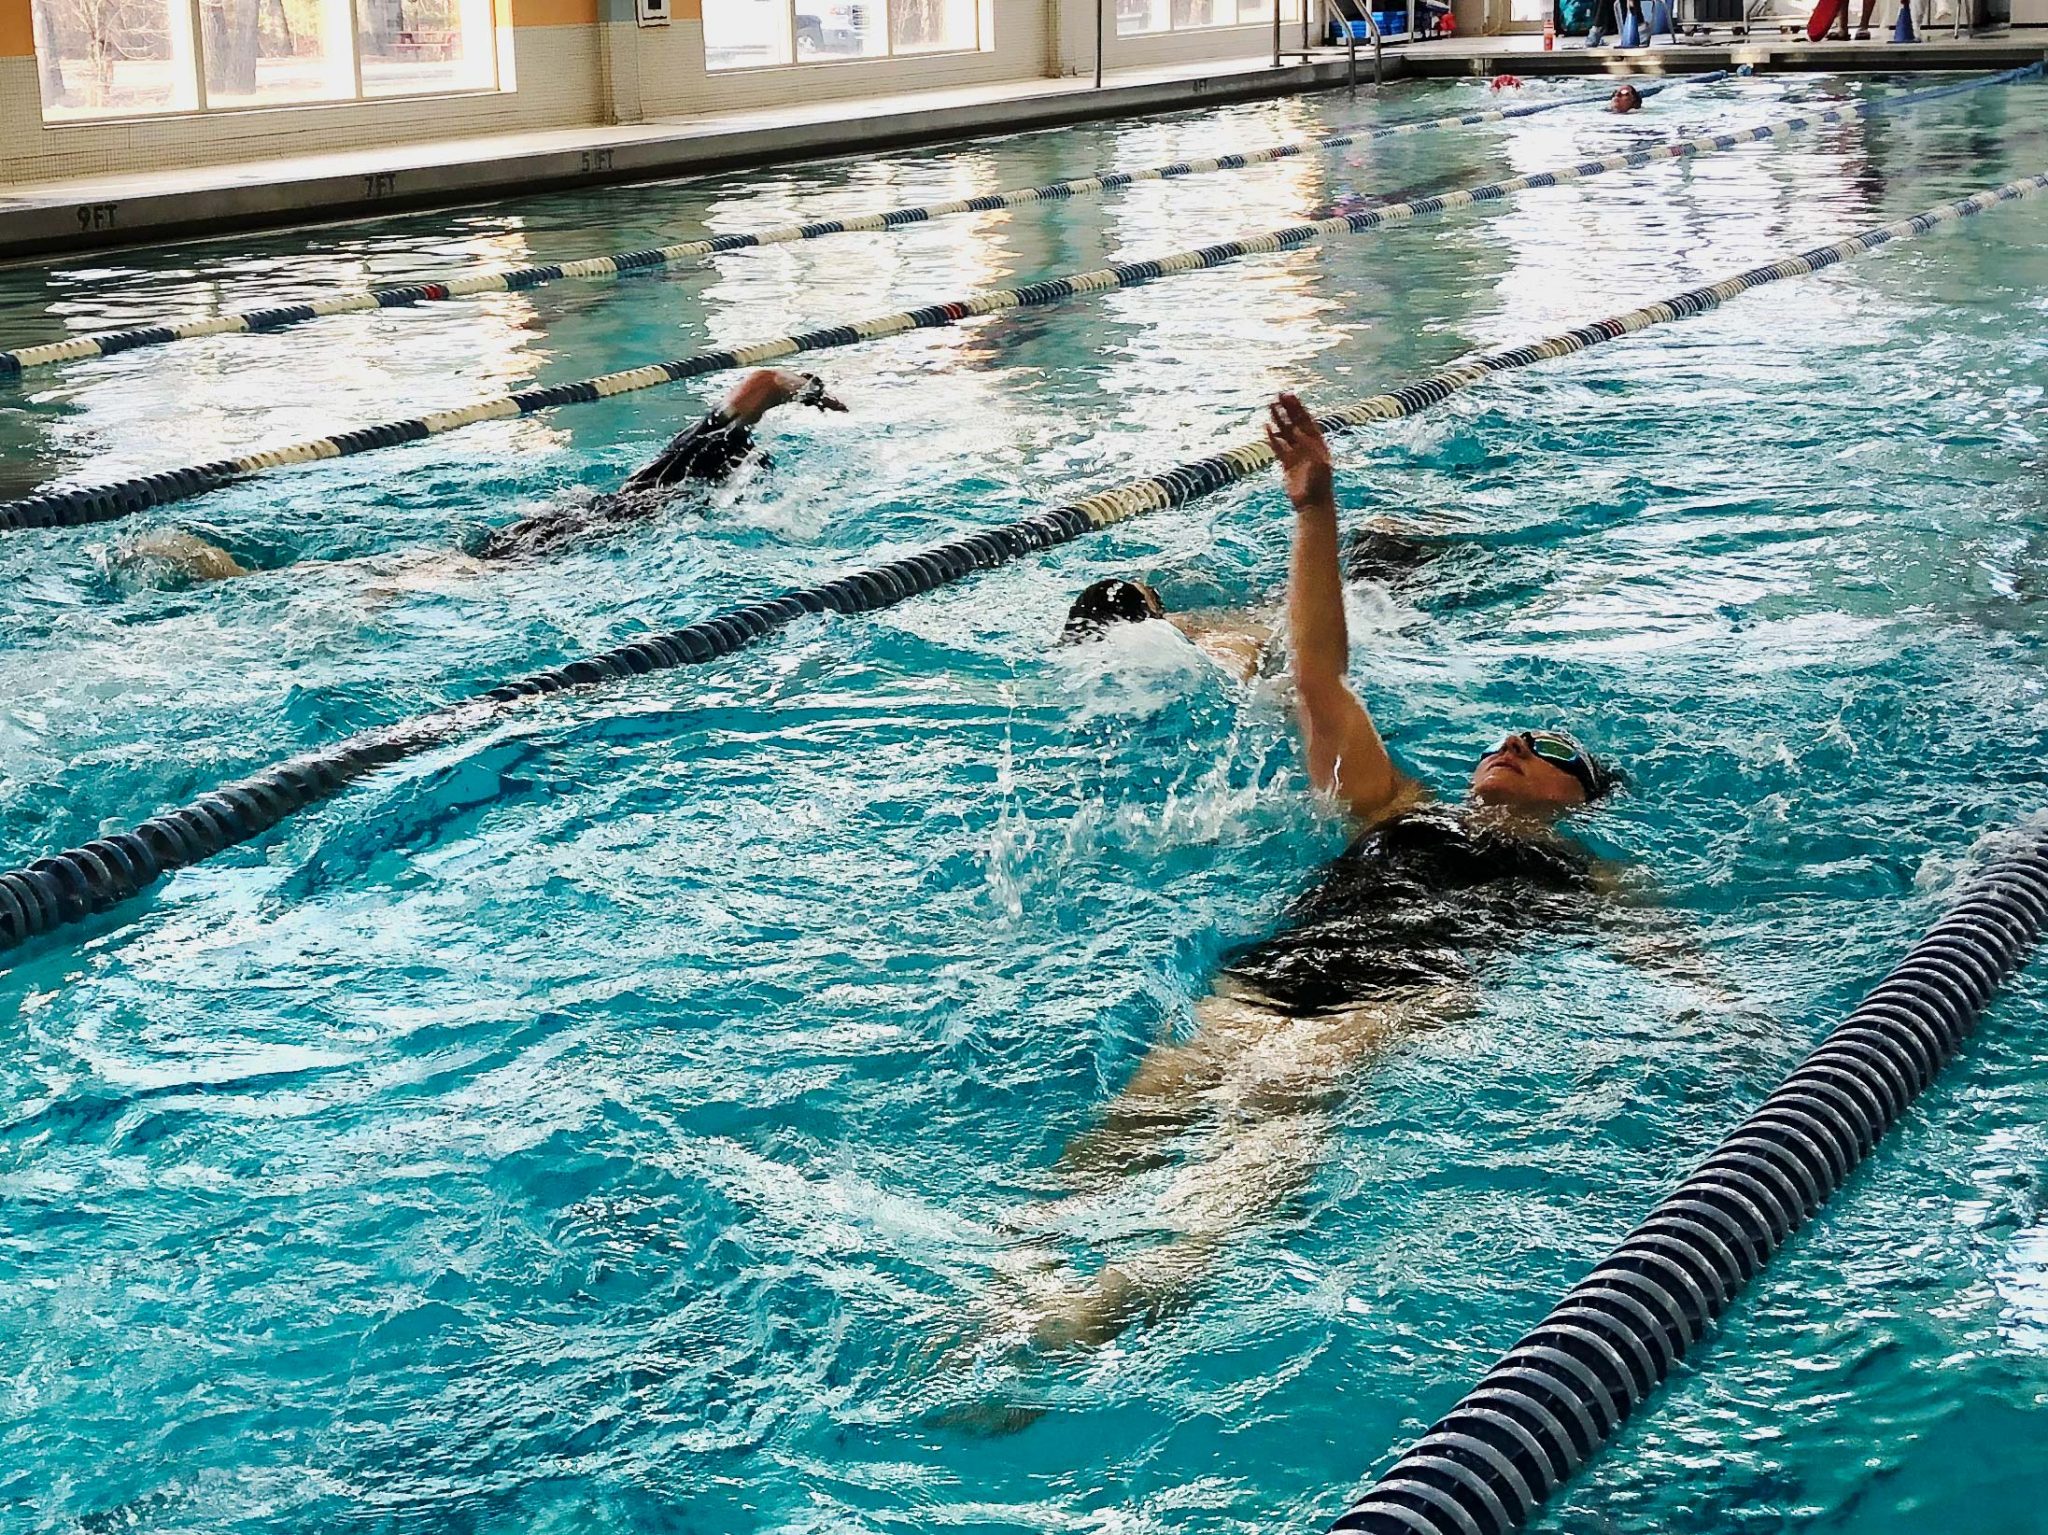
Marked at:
<point>1302,452</point>
<point>816,395</point>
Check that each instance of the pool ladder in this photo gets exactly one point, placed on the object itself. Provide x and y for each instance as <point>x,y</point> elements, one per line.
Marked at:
<point>1333,17</point>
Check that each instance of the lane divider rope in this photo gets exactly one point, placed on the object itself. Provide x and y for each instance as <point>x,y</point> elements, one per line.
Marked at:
<point>64,888</point>
<point>523,279</point>
<point>79,506</point>
<point>1487,1465</point>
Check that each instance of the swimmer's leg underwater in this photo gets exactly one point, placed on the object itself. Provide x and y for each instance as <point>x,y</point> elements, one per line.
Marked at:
<point>1241,1113</point>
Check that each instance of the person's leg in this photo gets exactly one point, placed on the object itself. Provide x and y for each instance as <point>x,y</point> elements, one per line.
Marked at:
<point>1241,1173</point>
<point>1171,1088</point>
<point>1244,1119</point>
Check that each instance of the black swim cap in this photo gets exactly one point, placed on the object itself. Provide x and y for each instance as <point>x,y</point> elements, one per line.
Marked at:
<point>1112,601</point>
<point>1598,776</point>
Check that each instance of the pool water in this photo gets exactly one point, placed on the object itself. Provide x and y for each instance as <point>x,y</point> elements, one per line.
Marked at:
<point>621,1120</point>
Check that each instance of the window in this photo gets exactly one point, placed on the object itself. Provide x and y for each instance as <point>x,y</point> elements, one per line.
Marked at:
<point>120,58</point>
<point>739,34</point>
<point>409,47</point>
<point>98,58</point>
<point>1134,17</point>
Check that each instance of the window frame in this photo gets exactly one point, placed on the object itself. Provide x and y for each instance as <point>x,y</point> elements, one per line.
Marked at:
<point>1174,29</point>
<point>498,23</point>
<point>984,42</point>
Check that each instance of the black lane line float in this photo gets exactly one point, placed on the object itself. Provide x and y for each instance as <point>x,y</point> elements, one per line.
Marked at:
<point>65,887</point>
<point>1488,1464</point>
<point>526,278</point>
<point>77,506</point>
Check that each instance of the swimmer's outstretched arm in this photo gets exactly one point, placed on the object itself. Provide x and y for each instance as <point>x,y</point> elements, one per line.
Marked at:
<point>767,388</point>
<point>714,447</point>
<point>1346,758</point>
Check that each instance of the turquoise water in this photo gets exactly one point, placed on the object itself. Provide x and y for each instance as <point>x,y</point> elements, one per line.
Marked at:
<point>616,1120</point>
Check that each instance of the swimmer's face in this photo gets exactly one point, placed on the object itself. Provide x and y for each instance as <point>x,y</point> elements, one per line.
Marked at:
<point>1511,774</point>
<point>1626,98</point>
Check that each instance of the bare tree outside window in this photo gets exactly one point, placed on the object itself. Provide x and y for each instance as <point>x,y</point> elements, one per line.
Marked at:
<point>107,58</point>
<point>229,36</point>
<point>915,23</point>
<point>1139,16</point>
<point>50,69</point>
<point>100,56</point>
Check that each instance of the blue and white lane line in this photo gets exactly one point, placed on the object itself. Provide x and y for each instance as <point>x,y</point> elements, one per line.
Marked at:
<point>110,502</point>
<point>64,888</point>
<point>520,279</point>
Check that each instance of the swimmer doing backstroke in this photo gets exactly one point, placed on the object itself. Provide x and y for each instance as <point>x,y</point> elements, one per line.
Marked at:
<point>1392,937</point>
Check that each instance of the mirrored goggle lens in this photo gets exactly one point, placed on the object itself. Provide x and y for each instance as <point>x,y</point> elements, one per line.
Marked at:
<point>1554,749</point>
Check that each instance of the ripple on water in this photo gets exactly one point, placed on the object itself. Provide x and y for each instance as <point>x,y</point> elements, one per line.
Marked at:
<point>627,1118</point>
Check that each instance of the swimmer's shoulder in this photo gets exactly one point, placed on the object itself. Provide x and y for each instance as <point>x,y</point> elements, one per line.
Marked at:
<point>1413,802</point>
<point>1237,642</point>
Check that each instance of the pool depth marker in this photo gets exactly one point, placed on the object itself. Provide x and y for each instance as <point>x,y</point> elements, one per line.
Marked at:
<point>523,279</point>
<point>65,887</point>
<point>82,505</point>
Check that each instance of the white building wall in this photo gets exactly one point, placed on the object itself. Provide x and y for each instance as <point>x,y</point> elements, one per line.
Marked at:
<point>567,67</point>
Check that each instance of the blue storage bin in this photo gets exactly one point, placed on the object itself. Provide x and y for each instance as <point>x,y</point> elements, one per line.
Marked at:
<point>1392,23</point>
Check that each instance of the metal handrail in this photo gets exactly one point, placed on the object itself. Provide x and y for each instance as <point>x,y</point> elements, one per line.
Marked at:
<point>1331,14</point>
<point>1372,26</point>
<point>1334,17</point>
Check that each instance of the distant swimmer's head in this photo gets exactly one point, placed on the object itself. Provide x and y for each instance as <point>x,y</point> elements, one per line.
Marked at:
<point>1542,770</point>
<point>1626,99</point>
<point>1114,601</point>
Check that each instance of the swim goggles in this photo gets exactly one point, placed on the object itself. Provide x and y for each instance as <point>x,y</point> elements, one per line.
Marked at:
<point>1562,752</point>
<point>813,391</point>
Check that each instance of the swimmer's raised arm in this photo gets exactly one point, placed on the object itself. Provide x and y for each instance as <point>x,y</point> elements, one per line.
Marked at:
<point>1346,758</point>
<point>713,448</point>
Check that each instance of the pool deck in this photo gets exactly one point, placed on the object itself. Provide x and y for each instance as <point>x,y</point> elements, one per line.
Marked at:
<point>101,212</point>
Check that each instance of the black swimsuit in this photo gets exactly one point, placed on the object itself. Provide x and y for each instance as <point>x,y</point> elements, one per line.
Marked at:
<point>707,452</point>
<point>1414,903</point>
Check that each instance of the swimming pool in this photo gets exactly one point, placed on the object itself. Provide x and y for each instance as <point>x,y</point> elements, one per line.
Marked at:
<point>617,1118</point>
